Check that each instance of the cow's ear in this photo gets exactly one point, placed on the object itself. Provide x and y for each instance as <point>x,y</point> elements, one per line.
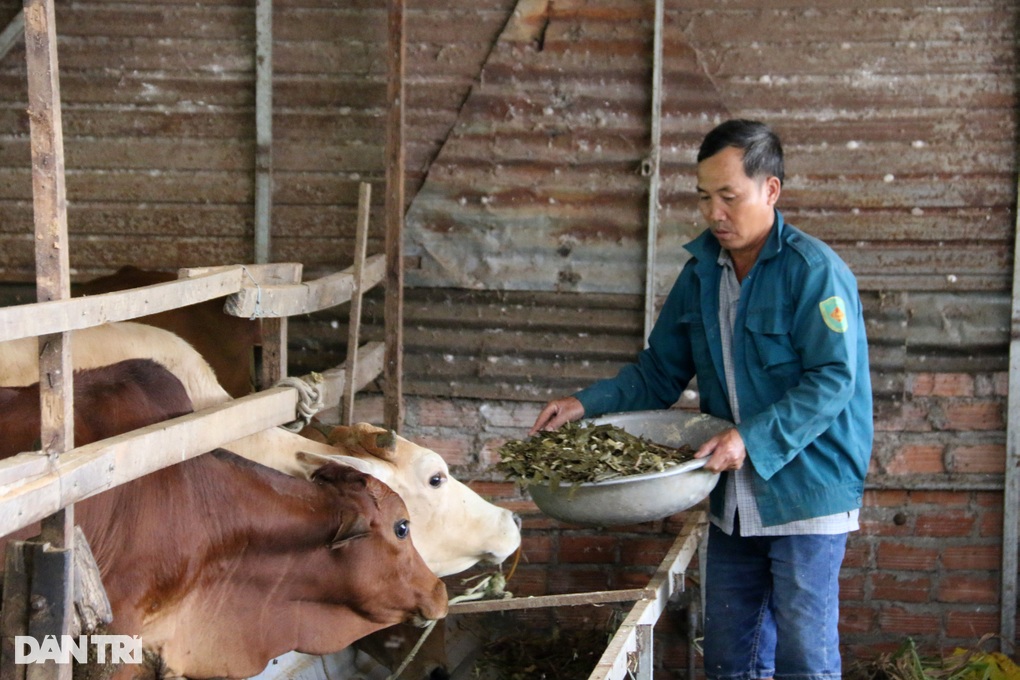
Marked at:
<point>351,528</point>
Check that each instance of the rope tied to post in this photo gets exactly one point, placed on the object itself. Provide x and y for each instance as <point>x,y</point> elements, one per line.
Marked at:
<point>309,399</point>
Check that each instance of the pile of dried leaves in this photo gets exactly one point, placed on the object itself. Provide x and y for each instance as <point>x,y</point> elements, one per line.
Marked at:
<point>577,453</point>
<point>906,663</point>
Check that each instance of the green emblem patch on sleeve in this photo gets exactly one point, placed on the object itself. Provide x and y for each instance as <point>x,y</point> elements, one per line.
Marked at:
<point>834,313</point>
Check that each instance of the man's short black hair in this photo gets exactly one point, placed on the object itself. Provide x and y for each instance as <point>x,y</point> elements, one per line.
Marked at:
<point>763,153</point>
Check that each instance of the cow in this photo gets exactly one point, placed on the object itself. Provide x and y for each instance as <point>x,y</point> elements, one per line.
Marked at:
<point>436,502</point>
<point>220,564</point>
<point>227,342</point>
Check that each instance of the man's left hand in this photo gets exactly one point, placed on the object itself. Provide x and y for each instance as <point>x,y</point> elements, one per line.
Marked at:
<point>726,449</point>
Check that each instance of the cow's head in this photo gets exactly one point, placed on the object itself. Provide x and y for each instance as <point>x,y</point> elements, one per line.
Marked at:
<point>384,577</point>
<point>454,527</point>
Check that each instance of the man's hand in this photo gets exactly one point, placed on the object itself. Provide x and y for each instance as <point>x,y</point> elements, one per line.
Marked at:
<point>557,413</point>
<point>727,451</point>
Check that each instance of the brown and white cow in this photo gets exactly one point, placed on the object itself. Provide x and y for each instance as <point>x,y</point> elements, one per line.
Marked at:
<point>220,564</point>
<point>454,527</point>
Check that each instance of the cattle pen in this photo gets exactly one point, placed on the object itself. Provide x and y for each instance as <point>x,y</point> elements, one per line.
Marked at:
<point>39,599</point>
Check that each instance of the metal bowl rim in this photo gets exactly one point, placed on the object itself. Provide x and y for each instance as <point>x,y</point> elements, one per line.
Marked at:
<point>686,466</point>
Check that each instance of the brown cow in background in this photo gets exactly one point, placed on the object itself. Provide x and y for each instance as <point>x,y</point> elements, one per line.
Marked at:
<point>227,342</point>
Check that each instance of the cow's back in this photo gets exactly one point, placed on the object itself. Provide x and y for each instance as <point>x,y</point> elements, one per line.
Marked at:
<point>109,401</point>
<point>226,342</point>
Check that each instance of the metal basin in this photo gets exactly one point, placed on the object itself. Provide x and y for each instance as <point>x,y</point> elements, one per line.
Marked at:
<point>645,497</point>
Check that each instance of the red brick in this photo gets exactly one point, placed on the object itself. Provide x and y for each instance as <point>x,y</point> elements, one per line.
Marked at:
<point>856,619</point>
<point>988,499</point>
<point>857,554</point>
<point>631,579</point>
<point>851,588</point>
<point>991,523</point>
<point>891,588</point>
<point>941,498</point>
<point>917,459</point>
<point>883,498</point>
<point>971,624</point>
<point>946,523</point>
<point>588,549</point>
<point>972,589</point>
<point>972,557</point>
<point>453,451</point>
<point>902,417</point>
<point>644,551</point>
<point>941,385</point>
<point>884,527</point>
<point>973,416</point>
<point>579,580</point>
<point>446,413</point>
<point>1000,382</point>
<point>536,549</point>
<point>528,581</point>
<point>899,621</point>
<point>494,491</point>
<point>516,415</point>
<point>896,556</point>
<point>989,458</point>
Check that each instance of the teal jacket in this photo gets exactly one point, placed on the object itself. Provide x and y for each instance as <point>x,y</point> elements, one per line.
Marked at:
<point>801,362</point>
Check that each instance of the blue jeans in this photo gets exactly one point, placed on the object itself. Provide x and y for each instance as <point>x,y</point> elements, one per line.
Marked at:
<point>772,606</point>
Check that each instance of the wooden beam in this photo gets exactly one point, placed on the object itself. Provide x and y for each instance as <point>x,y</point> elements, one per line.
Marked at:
<point>393,386</point>
<point>44,318</point>
<point>354,325</point>
<point>1011,495</point>
<point>371,357</point>
<point>12,33</point>
<point>667,578</point>
<point>263,129</point>
<point>565,600</point>
<point>287,300</point>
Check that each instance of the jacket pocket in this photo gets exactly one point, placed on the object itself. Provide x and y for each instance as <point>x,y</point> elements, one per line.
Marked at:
<point>769,330</point>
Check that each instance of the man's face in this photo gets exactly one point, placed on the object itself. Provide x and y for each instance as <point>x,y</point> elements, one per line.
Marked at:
<point>738,209</point>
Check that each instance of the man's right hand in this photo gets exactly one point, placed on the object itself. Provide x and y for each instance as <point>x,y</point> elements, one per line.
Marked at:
<point>556,413</point>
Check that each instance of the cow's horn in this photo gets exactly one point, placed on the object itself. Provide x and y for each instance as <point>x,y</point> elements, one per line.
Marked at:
<point>386,440</point>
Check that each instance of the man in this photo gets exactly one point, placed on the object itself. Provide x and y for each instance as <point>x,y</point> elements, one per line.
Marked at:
<point>769,321</point>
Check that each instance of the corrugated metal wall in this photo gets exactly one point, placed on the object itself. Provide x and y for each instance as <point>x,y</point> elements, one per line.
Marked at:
<point>159,125</point>
<point>527,122</point>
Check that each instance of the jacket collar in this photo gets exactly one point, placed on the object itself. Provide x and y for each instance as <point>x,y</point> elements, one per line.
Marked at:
<point>705,248</point>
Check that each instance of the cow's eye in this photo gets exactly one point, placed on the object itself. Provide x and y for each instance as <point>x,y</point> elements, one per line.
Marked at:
<point>436,480</point>
<point>402,529</point>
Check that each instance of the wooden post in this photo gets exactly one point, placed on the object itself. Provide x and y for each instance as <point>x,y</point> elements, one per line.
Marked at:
<point>52,580</point>
<point>393,403</point>
<point>263,128</point>
<point>1011,491</point>
<point>53,279</point>
<point>354,325</point>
